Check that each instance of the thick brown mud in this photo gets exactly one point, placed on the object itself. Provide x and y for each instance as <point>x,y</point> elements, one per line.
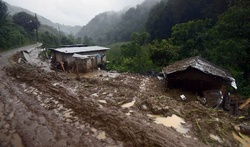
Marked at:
<point>41,108</point>
<point>134,130</point>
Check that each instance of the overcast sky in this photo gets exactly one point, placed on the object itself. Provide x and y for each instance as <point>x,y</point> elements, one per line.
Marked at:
<point>72,12</point>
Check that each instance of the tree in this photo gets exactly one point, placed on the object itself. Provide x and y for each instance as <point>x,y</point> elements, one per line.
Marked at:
<point>135,55</point>
<point>231,44</point>
<point>3,12</point>
<point>88,40</point>
<point>49,40</point>
<point>168,13</point>
<point>37,28</point>
<point>163,52</point>
<point>12,36</point>
<point>79,40</point>
<point>131,56</point>
<point>67,40</point>
<point>27,21</point>
<point>140,38</point>
<point>191,37</point>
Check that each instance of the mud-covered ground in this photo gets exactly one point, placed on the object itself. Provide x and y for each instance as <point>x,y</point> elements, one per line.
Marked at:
<point>41,108</point>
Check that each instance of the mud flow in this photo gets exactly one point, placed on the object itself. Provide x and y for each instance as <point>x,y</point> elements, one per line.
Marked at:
<point>40,107</point>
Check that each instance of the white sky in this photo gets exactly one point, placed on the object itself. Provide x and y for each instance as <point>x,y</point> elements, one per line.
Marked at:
<point>72,12</point>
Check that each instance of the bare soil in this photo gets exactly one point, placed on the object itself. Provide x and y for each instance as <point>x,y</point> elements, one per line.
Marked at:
<point>41,108</point>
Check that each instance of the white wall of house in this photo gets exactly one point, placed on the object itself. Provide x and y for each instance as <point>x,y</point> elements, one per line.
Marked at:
<point>100,57</point>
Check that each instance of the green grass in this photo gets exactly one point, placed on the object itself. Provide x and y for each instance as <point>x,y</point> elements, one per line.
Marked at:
<point>117,44</point>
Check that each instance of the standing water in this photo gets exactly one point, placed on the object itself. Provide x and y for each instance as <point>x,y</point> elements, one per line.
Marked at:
<point>173,121</point>
<point>130,104</point>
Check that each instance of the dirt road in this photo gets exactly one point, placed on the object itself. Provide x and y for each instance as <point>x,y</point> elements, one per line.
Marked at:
<point>6,54</point>
<point>40,108</point>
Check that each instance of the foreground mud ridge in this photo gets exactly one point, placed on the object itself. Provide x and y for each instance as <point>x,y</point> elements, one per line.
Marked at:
<point>56,109</point>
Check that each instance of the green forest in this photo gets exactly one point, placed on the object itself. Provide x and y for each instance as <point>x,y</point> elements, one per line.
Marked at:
<point>153,35</point>
<point>23,29</point>
<point>176,29</point>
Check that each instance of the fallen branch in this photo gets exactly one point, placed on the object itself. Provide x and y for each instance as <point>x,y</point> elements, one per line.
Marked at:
<point>201,133</point>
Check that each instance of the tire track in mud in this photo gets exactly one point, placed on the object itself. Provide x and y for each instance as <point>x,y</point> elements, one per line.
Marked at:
<point>37,126</point>
<point>132,131</point>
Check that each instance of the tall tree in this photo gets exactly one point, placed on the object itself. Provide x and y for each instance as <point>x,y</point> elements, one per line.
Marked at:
<point>67,40</point>
<point>49,40</point>
<point>27,21</point>
<point>163,52</point>
<point>192,37</point>
<point>10,34</point>
<point>231,44</point>
<point>37,28</point>
<point>3,11</point>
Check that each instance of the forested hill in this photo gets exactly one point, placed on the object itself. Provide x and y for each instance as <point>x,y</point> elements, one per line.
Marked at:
<point>64,28</point>
<point>218,30</point>
<point>110,27</point>
<point>168,13</point>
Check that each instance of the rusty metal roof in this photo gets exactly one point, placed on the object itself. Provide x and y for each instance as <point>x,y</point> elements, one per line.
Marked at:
<point>202,65</point>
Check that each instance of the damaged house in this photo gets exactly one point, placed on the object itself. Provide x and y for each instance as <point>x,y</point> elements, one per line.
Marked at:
<point>78,58</point>
<point>196,74</point>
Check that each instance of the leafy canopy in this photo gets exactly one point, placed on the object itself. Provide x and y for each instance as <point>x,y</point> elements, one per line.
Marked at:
<point>27,21</point>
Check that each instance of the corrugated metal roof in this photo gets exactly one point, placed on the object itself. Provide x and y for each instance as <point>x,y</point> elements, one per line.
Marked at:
<point>202,65</point>
<point>70,50</point>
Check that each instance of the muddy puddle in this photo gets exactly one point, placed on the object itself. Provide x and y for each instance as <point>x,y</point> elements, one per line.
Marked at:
<point>129,113</point>
<point>130,104</point>
<point>102,101</point>
<point>172,121</point>
<point>215,137</point>
<point>101,136</point>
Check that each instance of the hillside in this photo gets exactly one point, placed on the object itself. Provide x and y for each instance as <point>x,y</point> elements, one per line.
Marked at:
<point>64,28</point>
<point>110,27</point>
<point>168,13</point>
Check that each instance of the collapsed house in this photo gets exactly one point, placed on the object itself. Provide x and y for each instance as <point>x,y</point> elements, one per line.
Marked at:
<point>198,75</point>
<point>78,58</point>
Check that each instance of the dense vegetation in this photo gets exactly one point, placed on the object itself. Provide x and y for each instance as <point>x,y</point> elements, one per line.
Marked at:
<point>223,38</point>
<point>20,29</point>
<point>167,13</point>
<point>11,34</point>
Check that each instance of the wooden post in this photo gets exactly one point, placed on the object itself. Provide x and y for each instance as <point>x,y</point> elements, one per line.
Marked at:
<point>62,65</point>
<point>77,70</point>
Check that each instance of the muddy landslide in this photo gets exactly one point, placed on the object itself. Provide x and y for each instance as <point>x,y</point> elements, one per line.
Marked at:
<point>46,109</point>
<point>41,108</point>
